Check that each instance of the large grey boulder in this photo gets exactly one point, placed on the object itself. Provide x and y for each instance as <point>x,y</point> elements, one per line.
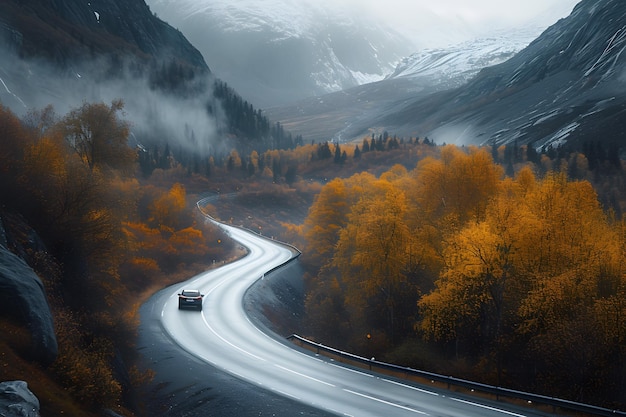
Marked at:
<point>23,297</point>
<point>16,400</point>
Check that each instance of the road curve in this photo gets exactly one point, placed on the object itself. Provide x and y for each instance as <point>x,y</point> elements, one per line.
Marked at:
<point>223,336</point>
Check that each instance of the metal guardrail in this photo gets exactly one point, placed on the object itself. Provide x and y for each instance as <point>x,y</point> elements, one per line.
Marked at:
<point>296,252</point>
<point>450,381</point>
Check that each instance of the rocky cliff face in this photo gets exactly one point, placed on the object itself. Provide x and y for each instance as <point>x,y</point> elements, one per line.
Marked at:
<point>23,298</point>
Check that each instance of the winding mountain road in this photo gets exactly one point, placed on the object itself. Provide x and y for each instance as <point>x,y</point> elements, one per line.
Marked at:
<point>223,335</point>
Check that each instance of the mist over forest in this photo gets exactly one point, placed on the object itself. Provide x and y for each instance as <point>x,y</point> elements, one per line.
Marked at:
<point>189,116</point>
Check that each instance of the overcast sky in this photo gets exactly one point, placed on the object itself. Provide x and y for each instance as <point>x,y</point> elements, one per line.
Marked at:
<point>433,21</point>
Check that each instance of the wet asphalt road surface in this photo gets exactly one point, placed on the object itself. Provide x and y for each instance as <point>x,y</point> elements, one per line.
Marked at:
<point>185,386</point>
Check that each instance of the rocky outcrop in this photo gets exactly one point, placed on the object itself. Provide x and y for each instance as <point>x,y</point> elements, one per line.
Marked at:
<point>16,400</point>
<point>23,298</point>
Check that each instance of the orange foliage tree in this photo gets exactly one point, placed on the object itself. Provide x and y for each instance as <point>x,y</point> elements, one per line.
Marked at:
<point>166,210</point>
<point>327,216</point>
<point>534,273</point>
<point>523,276</point>
<point>370,255</point>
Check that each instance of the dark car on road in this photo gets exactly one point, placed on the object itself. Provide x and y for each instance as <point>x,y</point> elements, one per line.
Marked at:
<point>190,299</point>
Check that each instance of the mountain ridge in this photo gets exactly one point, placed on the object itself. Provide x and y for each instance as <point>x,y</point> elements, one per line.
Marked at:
<point>63,52</point>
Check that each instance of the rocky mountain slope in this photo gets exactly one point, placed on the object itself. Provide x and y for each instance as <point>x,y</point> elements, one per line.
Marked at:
<point>567,86</point>
<point>69,31</point>
<point>278,51</point>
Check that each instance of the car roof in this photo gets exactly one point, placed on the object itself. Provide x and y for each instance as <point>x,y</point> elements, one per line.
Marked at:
<point>191,292</point>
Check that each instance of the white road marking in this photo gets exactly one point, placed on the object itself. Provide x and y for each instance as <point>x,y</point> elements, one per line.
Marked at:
<point>385,402</point>
<point>305,376</point>
<point>405,404</point>
<point>351,370</point>
<point>228,343</point>
<point>487,407</point>
<point>411,387</point>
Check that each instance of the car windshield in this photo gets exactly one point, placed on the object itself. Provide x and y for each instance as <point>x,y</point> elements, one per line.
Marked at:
<point>191,293</point>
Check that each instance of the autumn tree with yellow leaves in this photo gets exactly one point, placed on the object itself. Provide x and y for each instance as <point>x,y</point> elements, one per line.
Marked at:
<point>370,253</point>
<point>523,277</point>
<point>99,136</point>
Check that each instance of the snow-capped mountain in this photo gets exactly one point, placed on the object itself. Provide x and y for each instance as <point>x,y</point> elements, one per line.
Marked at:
<point>455,65</point>
<point>277,51</point>
<point>347,113</point>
